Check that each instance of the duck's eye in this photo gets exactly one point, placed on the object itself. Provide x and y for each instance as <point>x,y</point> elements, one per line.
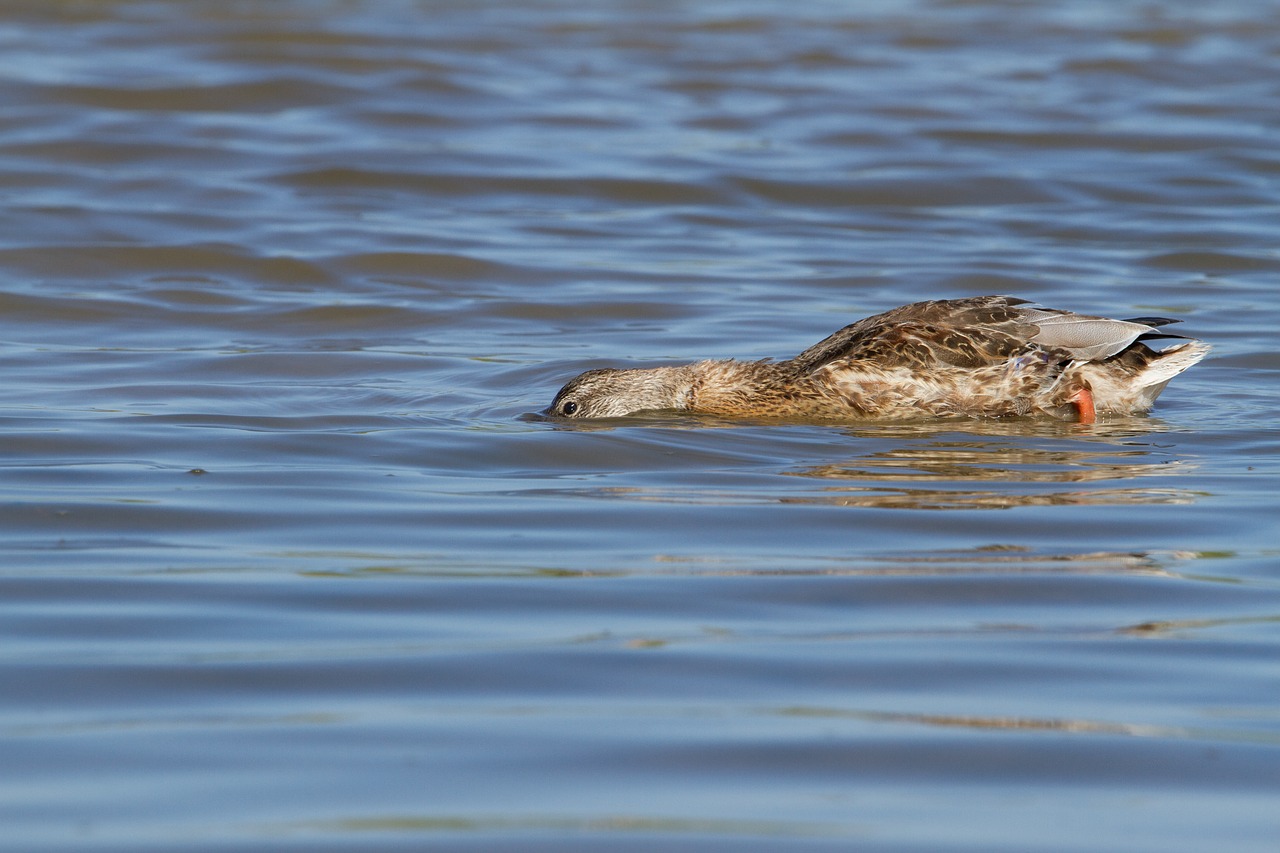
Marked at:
<point>568,408</point>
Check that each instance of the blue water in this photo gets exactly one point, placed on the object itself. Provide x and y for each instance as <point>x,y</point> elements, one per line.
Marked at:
<point>288,561</point>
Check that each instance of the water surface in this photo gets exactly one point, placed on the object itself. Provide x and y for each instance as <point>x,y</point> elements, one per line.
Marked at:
<point>286,564</point>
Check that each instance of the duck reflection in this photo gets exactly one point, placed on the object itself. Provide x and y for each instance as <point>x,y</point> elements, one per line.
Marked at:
<point>993,464</point>
<point>941,471</point>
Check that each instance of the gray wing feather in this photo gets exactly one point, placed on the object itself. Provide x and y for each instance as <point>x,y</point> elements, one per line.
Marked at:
<point>1086,338</point>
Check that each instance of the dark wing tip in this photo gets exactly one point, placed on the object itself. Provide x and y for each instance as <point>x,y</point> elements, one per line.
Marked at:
<point>1152,321</point>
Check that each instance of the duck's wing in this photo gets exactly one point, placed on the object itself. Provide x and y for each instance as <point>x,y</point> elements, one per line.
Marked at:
<point>964,332</point>
<point>975,332</point>
<point>1091,338</point>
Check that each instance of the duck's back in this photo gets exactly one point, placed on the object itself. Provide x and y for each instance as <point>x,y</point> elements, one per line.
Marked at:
<point>971,333</point>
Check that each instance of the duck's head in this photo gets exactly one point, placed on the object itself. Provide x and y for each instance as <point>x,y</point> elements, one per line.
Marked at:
<point>610,393</point>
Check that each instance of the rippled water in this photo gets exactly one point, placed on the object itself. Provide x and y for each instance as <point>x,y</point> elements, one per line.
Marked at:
<point>285,562</point>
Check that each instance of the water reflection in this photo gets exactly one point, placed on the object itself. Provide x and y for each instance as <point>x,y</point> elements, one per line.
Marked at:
<point>932,466</point>
<point>927,499</point>
<point>889,497</point>
<point>1010,723</point>
<point>940,473</point>
<point>1033,724</point>
<point>1002,560</point>
<point>1171,628</point>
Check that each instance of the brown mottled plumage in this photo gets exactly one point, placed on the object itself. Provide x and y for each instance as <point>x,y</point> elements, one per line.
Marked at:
<point>986,356</point>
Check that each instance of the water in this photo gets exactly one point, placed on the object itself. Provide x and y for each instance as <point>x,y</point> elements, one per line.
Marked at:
<point>285,563</point>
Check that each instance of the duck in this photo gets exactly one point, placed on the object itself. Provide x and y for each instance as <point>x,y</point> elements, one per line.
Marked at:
<point>975,357</point>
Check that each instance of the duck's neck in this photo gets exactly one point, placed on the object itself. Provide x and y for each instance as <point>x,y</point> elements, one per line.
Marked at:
<point>737,388</point>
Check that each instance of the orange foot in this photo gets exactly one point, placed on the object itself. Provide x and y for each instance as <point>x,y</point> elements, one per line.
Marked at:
<point>1084,405</point>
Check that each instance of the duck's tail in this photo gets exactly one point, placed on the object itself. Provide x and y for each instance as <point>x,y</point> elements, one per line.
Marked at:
<point>1168,364</point>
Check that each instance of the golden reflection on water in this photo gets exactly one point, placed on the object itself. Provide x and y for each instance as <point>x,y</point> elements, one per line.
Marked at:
<point>622,824</point>
<point>981,465</point>
<point>961,499</point>
<point>1033,724</point>
<point>895,477</point>
<point>987,560</point>
<point>990,461</point>
<point>1168,628</point>
<point>965,721</point>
